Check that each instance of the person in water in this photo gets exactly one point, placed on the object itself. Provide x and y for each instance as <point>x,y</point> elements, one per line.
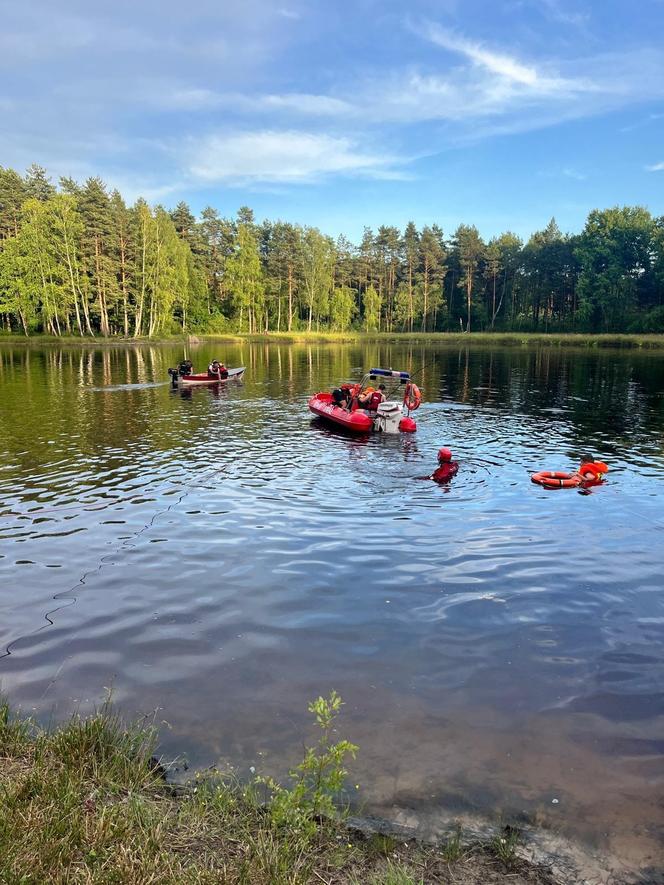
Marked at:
<point>217,370</point>
<point>447,468</point>
<point>592,472</point>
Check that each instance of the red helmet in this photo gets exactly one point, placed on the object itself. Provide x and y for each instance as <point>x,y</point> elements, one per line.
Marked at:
<point>444,454</point>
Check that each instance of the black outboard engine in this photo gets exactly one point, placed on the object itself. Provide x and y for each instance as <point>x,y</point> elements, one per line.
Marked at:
<point>185,368</point>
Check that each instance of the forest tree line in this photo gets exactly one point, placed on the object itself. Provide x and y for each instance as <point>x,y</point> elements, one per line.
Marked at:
<point>76,260</point>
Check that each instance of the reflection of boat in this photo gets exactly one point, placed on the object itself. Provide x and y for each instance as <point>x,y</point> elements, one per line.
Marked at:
<point>203,378</point>
<point>358,407</point>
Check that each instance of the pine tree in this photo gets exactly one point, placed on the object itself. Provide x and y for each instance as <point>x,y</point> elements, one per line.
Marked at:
<point>13,193</point>
<point>411,248</point>
<point>431,271</point>
<point>95,208</point>
<point>470,250</point>
<point>38,185</point>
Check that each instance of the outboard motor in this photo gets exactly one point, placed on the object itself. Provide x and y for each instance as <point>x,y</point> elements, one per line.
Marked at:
<point>185,368</point>
<point>388,416</point>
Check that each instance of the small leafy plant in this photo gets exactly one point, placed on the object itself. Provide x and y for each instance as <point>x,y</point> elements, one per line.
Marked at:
<point>453,849</point>
<point>504,846</point>
<point>318,779</point>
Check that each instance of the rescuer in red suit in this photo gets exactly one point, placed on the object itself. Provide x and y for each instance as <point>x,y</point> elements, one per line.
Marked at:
<point>447,467</point>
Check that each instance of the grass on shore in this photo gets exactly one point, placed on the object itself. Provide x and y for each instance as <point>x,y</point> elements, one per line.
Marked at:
<point>508,339</point>
<point>88,803</point>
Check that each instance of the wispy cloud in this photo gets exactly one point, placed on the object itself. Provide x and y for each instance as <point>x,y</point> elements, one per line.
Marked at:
<point>169,96</point>
<point>656,167</point>
<point>283,156</point>
<point>304,103</point>
<point>506,66</point>
<point>557,12</point>
<point>497,63</point>
<point>568,172</point>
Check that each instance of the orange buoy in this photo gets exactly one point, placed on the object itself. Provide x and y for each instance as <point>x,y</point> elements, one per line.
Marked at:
<point>556,479</point>
<point>589,473</point>
<point>412,397</point>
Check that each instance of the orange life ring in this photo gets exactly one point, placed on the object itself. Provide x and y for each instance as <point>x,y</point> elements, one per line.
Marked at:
<point>412,397</point>
<point>556,479</point>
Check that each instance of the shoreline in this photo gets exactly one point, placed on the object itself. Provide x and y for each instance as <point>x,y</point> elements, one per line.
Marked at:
<point>88,799</point>
<point>502,339</point>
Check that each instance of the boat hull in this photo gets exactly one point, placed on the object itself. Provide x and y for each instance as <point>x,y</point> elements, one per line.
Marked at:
<point>321,404</point>
<point>203,378</point>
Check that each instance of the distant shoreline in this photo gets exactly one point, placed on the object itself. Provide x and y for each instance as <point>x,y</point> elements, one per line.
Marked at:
<point>506,339</point>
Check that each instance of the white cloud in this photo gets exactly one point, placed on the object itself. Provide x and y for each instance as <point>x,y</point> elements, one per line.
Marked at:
<point>497,63</point>
<point>304,103</point>
<point>568,172</point>
<point>656,167</point>
<point>175,97</point>
<point>505,66</point>
<point>556,12</point>
<point>283,156</point>
<point>191,99</point>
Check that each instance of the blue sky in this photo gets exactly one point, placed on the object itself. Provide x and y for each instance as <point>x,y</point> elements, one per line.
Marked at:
<point>342,114</point>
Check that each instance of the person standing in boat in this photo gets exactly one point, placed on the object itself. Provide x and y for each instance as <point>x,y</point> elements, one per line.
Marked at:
<point>447,468</point>
<point>217,370</point>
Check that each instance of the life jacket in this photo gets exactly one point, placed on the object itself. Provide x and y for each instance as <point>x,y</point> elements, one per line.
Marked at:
<point>596,468</point>
<point>446,471</point>
<point>375,401</point>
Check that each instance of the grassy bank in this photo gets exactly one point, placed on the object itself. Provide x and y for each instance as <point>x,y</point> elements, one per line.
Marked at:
<point>88,803</point>
<point>508,339</point>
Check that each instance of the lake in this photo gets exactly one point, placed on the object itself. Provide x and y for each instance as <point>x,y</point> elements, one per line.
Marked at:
<point>221,557</point>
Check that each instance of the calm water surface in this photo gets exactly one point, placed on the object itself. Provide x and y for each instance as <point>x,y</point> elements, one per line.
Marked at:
<point>223,558</point>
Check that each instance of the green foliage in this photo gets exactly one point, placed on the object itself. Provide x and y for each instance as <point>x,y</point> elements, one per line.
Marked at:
<point>395,874</point>
<point>452,850</point>
<point>504,846</point>
<point>319,777</point>
<point>77,260</point>
<point>471,251</point>
<point>371,303</point>
<point>382,844</point>
<point>317,274</point>
<point>245,280</point>
<point>342,309</point>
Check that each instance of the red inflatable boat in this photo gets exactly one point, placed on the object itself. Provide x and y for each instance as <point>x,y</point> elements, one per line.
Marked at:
<point>322,404</point>
<point>362,409</point>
